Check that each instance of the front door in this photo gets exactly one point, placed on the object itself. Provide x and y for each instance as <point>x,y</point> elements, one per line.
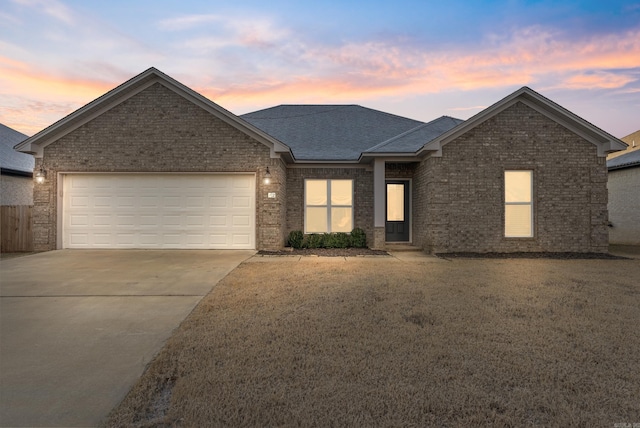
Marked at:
<point>397,218</point>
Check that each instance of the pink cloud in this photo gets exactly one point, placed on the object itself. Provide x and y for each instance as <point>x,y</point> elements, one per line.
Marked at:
<point>294,71</point>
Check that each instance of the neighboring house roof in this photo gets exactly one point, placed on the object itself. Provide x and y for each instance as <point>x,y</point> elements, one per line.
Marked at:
<point>604,141</point>
<point>329,132</point>
<point>10,159</point>
<point>633,140</point>
<point>627,160</point>
<point>137,84</point>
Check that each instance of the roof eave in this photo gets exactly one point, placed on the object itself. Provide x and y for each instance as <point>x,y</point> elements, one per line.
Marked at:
<point>624,166</point>
<point>605,142</point>
<point>36,144</point>
<point>366,157</point>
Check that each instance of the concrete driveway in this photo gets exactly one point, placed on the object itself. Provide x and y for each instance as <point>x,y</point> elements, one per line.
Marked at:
<point>77,328</point>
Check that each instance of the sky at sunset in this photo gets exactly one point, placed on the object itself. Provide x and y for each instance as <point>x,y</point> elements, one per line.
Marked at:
<point>419,59</point>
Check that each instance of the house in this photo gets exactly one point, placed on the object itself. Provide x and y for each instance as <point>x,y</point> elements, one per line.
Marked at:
<point>624,193</point>
<point>16,170</point>
<point>633,143</point>
<point>154,164</point>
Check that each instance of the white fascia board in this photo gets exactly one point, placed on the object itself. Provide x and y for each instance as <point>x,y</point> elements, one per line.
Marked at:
<point>102,103</point>
<point>36,144</point>
<point>604,142</point>
<point>391,157</point>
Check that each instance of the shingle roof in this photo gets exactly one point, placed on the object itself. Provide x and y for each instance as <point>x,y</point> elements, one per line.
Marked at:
<point>627,160</point>
<point>412,140</point>
<point>329,132</point>
<point>9,158</point>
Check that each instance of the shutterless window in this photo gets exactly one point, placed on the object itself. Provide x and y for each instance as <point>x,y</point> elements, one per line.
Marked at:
<point>328,206</point>
<point>518,204</point>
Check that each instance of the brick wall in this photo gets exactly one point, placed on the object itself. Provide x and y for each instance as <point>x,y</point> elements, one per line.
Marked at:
<point>460,196</point>
<point>157,130</point>
<point>363,195</point>
<point>16,190</point>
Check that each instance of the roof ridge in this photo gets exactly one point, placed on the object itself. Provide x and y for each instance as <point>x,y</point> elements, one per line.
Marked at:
<point>397,137</point>
<point>333,108</point>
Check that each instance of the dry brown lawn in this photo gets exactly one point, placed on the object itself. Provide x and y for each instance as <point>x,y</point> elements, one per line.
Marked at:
<point>381,342</point>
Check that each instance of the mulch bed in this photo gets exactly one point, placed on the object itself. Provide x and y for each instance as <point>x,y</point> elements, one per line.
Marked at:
<point>326,252</point>
<point>558,256</point>
<point>354,252</point>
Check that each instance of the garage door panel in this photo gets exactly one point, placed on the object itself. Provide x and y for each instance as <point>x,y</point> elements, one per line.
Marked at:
<point>171,201</point>
<point>158,211</point>
<point>240,239</point>
<point>80,239</point>
<point>150,201</point>
<point>149,221</point>
<point>242,183</point>
<point>217,220</point>
<point>102,201</point>
<point>102,220</point>
<point>218,202</point>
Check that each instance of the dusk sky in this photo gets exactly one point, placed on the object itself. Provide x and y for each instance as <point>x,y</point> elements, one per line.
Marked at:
<point>419,59</point>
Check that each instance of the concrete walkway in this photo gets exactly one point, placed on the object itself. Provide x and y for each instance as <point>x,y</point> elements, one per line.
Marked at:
<point>77,328</point>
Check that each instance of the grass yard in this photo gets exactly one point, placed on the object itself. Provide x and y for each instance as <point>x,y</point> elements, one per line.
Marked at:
<point>381,342</point>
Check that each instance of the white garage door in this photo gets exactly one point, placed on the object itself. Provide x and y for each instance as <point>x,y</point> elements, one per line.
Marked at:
<point>159,211</point>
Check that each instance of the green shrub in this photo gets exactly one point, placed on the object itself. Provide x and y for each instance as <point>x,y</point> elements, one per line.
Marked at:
<point>358,238</point>
<point>295,238</point>
<point>314,240</point>
<point>337,240</point>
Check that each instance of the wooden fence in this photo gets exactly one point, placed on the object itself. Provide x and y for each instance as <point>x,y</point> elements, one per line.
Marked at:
<point>16,234</point>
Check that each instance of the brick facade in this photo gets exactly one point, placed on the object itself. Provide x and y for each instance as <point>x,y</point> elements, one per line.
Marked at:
<point>459,198</point>
<point>157,130</point>
<point>363,195</point>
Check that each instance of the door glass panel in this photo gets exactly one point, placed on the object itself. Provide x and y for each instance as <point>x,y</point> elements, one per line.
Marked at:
<point>395,202</point>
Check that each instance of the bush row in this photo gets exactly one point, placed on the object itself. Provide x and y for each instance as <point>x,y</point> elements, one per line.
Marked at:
<point>356,238</point>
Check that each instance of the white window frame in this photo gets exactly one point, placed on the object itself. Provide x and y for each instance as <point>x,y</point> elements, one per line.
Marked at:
<point>328,205</point>
<point>529,204</point>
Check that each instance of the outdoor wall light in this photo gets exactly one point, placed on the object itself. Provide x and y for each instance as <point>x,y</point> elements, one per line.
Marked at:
<point>267,177</point>
<point>40,176</point>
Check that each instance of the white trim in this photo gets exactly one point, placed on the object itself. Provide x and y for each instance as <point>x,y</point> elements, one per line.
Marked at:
<point>60,210</point>
<point>529,204</point>
<point>329,205</point>
<point>132,87</point>
<point>604,141</point>
<point>61,176</point>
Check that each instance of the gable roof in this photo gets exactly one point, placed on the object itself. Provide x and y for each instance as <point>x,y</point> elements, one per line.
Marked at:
<point>329,132</point>
<point>604,141</point>
<point>133,86</point>
<point>627,160</point>
<point>11,160</point>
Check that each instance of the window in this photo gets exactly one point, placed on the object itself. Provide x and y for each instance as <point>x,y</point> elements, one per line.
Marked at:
<point>328,206</point>
<point>518,204</point>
